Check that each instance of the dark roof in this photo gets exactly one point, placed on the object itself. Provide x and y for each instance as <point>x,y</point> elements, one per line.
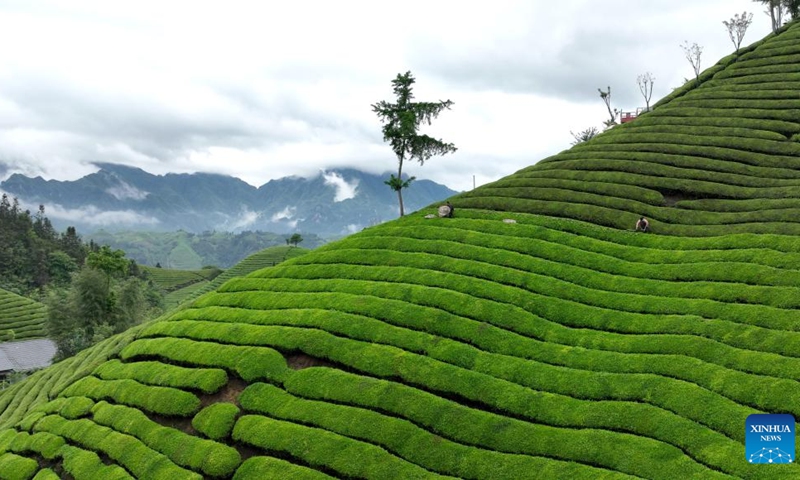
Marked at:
<point>26,355</point>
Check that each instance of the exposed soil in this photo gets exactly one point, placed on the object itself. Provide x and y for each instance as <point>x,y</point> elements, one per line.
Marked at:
<point>228,394</point>
<point>299,361</point>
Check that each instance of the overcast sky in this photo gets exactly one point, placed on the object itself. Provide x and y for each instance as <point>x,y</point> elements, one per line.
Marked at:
<point>262,90</point>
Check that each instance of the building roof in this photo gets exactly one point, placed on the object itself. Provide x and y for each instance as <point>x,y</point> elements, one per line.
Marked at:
<point>26,355</point>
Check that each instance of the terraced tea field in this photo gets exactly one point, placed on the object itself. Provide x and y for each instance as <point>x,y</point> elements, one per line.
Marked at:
<point>269,257</point>
<point>534,335</point>
<point>20,318</point>
<point>171,280</point>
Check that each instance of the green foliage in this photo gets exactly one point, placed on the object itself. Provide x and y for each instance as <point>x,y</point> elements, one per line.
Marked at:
<point>401,123</point>
<point>20,318</point>
<point>268,257</point>
<point>32,253</point>
<point>295,239</point>
<point>46,474</point>
<point>422,447</point>
<point>45,444</point>
<point>249,363</point>
<point>84,464</point>
<point>126,450</point>
<point>36,390</point>
<point>319,447</point>
<point>210,458</point>
<point>206,380</point>
<point>216,421</point>
<point>271,467</point>
<point>15,467</point>
<point>95,307</point>
<point>223,249</point>
<point>110,262</point>
<point>161,400</point>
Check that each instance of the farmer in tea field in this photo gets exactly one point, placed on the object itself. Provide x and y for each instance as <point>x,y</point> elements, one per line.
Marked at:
<point>446,211</point>
<point>642,224</point>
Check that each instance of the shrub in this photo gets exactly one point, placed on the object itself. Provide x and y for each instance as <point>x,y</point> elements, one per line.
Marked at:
<point>83,464</point>
<point>161,400</point>
<point>14,467</point>
<point>208,457</point>
<point>128,451</point>
<point>250,363</point>
<point>206,380</point>
<point>216,420</point>
<point>46,474</point>
<point>422,447</point>
<point>269,467</point>
<point>318,447</point>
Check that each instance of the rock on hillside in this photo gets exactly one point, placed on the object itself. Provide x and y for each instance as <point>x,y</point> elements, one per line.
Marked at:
<point>563,345</point>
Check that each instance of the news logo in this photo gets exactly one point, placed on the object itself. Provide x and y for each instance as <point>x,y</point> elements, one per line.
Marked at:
<point>769,438</point>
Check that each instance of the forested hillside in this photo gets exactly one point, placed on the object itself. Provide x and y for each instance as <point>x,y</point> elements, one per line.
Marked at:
<point>32,253</point>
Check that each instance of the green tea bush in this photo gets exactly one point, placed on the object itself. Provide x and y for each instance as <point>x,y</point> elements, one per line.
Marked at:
<point>205,456</point>
<point>500,349</point>
<point>86,465</point>
<point>216,420</point>
<point>14,467</point>
<point>45,444</point>
<point>249,363</point>
<point>318,447</point>
<point>556,410</point>
<point>424,448</point>
<point>206,380</point>
<point>161,400</point>
<point>255,468</point>
<point>407,283</point>
<point>488,429</point>
<point>124,449</point>
<point>46,474</point>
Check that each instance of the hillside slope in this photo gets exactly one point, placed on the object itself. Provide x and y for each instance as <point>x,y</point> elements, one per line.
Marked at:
<point>20,317</point>
<point>269,257</point>
<point>559,345</point>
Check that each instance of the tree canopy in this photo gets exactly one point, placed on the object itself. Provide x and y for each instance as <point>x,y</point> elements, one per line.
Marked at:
<point>401,125</point>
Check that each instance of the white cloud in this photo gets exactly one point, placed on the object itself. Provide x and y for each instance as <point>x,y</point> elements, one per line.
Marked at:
<point>125,191</point>
<point>285,214</point>
<point>245,219</point>
<point>94,216</point>
<point>344,190</point>
<point>93,81</point>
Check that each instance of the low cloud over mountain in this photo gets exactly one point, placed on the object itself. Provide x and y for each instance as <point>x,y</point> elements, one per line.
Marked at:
<point>332,203</point>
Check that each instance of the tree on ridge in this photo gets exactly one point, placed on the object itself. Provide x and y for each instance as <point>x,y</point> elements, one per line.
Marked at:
<point>606,97</point>
<point>737,27</point>
<point>401,122</point>
<point>693,53</point>
<point>777,9</point>
<point>645,82</point>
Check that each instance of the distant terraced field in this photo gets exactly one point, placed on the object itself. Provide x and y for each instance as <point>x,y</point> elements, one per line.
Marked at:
<point>559,345</point>
<point>171,279</point>
<point>20,318</point>
<point>269,257</point>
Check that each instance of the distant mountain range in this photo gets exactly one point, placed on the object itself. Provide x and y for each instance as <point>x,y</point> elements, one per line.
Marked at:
<point>117,198</point>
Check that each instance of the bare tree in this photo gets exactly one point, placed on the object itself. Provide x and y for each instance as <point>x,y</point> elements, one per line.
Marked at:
<point>737,27</point>
<point>645,82</point>
<point>693,53</point>
<point>606,97</point>
<point>583,135</point>
<point>778,9</point>
<point>775,10</point>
